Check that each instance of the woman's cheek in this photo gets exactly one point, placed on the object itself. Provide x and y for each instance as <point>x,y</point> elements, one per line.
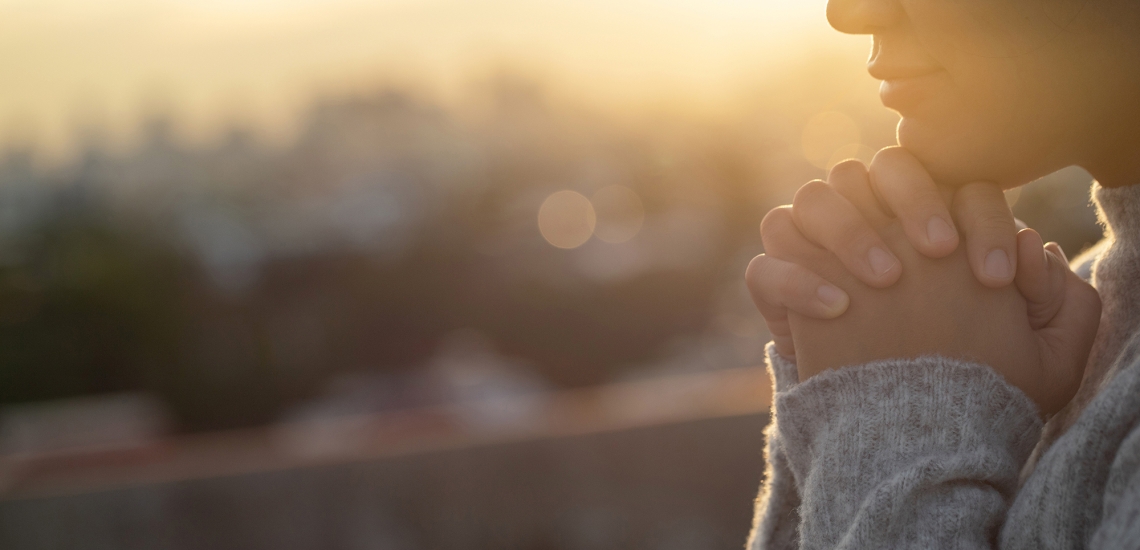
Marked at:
<point>971,132</point>
<point>968,128</point>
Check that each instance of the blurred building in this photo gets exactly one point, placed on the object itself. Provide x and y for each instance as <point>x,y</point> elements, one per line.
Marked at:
<point>666,463</point>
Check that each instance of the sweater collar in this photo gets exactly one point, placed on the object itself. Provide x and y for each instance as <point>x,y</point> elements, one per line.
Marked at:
<point>1119,211</point>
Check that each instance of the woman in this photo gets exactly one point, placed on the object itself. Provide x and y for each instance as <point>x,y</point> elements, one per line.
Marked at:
<point>912,374</point>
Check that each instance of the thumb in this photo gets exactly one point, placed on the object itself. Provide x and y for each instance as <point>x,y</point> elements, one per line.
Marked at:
<point>1064,311</point>
<point>1041,278</point>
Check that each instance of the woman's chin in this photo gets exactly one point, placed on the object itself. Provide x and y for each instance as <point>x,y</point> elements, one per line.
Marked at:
<point>943,156</point>
<point>958,158</point>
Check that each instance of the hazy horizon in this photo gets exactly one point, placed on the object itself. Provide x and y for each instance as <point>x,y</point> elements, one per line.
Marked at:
<point>257,63</point>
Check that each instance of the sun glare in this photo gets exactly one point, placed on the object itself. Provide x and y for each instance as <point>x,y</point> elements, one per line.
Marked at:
<point>262,61</point>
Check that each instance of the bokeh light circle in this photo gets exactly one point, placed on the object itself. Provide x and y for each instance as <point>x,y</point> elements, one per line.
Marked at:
<point>620,213</point>
<point>856,151</point>
<point>825,134</point>
<point>566,219</point>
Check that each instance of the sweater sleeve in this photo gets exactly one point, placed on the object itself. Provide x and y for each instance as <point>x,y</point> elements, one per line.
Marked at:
<point>776,521</point>
<point>1120,523</point>
<point>921,453</point>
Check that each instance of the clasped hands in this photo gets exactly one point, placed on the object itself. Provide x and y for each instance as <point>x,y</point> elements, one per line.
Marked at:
<point>867,266</point>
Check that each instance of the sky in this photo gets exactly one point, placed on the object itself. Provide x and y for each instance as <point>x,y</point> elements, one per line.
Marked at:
<point>66,64</point>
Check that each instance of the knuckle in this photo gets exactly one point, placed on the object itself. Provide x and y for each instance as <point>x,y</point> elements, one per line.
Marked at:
<point>852,234</point>
<point>910,195</point>
<point>848,169</point>
<point>991,221</point>
<point>776,225</point>
<point>846,231</point>
<point>987,214</point>
<point>776,218</point>
<point>789,284</point>
<point>772,281</point>
<point>762,272</point>
<point>850,176</point>
<point>920,200</point>
<point>887,157</point>
<point>810,194</point>
<point>754,273</point>
<point>980,195</point>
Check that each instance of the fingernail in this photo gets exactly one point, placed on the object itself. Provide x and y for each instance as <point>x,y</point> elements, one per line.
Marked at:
<point>938,231</point>
<point>881,260</point>
<point>1056,248</point>
<point>997,264</point>
<point>832,297</point>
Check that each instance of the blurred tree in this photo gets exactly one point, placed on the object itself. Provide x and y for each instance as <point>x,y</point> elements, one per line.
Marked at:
<point>85,307</point>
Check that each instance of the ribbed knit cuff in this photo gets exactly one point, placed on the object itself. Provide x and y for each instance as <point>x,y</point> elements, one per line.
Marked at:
<point>784,373</point>
<point>886,413</point>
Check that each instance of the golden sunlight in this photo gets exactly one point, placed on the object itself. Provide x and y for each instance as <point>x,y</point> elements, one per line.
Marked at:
<point>213,64</point>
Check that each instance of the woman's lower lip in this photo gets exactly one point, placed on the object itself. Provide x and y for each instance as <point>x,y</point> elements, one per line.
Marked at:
<point>906,93</point>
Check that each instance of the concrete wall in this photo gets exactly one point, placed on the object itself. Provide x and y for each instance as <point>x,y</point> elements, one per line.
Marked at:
<point>681,486</point>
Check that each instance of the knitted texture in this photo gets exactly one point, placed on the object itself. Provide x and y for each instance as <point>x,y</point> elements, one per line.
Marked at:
<point>777,519</point>
<point>925,453</point>
<point>1114,274</point>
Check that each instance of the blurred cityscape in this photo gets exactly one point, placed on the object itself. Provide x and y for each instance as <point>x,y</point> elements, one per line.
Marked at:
<point>399,253</point>
<point>322,338</point>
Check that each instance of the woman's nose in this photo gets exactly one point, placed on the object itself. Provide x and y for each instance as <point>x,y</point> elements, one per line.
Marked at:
<point>863,16</point>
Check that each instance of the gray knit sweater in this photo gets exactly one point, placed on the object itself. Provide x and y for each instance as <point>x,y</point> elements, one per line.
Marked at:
<point>927,452</point>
